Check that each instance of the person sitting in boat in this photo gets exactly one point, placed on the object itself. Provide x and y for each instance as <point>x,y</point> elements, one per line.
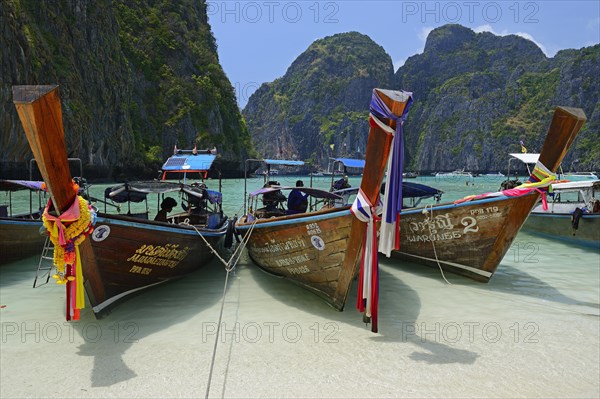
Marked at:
<point>341,184</point>
<point>271,200</point>
<point>165,207</point>
<point>196,205</point>
<point>297,201</point>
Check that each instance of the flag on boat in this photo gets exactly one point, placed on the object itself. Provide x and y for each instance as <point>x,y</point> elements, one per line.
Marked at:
<point>389,234</point>
<point>367,209</point>
<point>523,149</point>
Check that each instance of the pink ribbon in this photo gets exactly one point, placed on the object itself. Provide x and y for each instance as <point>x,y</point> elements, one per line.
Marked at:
<point>70,215</point>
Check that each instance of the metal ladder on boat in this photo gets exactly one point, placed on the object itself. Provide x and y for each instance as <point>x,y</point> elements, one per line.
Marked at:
<point>46,264</point>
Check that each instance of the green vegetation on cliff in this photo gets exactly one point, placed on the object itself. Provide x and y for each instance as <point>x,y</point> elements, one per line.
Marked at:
<point>477,95</point>
<point>136,78</point>
<point>322,99</point>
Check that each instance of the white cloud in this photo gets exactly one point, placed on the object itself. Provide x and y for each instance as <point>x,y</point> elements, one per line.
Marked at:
<point>525,35</point>
<point>422,35</point>
<point>484,28</point>
<point>593,24</point>
<point>425,31</point>
<point>398,63</point>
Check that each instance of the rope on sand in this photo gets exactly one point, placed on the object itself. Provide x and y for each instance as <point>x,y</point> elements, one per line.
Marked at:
<point>433,243</point>
<point>229,267</point>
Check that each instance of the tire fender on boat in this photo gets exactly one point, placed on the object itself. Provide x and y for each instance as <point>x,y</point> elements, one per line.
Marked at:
<point>231,232</point>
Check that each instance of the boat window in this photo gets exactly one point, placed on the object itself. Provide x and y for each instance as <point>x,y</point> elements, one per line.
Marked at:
<point>568,196</point>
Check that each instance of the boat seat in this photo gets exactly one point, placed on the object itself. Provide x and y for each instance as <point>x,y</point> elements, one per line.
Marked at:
<point>3,211</point>
<point>213,221</point>
<point>141,215</point>
<point>264,213</point>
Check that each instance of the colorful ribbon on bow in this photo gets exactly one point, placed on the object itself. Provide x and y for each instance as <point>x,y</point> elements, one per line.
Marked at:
<point>66,232</point>
<point>540,180</point>
<point>368,280</point>
<point>389,237</point>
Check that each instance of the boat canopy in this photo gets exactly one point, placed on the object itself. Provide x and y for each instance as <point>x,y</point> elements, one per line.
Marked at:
<point>285,162</point>
<point>526,157</point>
<point>416,190</point>
<point>137,191</point>
<point>351,163</point>
<point>573,185</point>
<point>313,192</point>
<point>17,185</point>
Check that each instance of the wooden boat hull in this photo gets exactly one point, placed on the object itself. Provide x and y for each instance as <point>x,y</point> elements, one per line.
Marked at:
<point>558,225</point>
<point>308,249</point>
<point>469,238</point>
<point>20,238</point>
<point>130,255</point>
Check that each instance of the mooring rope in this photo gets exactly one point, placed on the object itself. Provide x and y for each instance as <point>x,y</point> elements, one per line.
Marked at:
<point>433,243</point>
<point>229,267</point>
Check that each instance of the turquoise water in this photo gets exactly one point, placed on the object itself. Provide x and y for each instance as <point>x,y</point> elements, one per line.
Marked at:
<point>532,331</point>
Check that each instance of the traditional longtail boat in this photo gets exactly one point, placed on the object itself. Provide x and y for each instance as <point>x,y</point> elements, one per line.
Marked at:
<point>20,231</point>
<point>320,250</point>
<point>572,215</point>
<point>124,253</point>
<point>470,237</point>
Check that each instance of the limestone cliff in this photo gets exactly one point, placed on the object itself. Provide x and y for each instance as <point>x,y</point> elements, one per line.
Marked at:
<point>321,101</point>
<point>135,79</point>
<point>476,96</point>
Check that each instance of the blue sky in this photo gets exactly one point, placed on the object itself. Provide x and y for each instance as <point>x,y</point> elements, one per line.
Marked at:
<point>258,40</point>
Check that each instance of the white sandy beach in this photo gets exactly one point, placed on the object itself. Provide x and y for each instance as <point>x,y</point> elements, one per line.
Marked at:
<point>533,331</point>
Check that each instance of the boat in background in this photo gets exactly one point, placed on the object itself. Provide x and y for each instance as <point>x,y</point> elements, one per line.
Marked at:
<point>346,167</point>
<point>471,236</point>
<point>320,249</point>
<point>20,234</point>
<point>497,174</point>
<point>578,176</point>
<point>188,162</point>
<point>457,173</point>
<point>573,214</point>
<point>125,253</point>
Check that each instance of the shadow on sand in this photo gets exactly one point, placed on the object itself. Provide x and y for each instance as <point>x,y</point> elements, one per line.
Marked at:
<point>153,310</point>
<point>399,306</point>
<point>507,280</point>
<point>19,271</point>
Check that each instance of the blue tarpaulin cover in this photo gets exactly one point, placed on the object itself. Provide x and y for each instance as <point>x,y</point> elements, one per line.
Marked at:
<point>352,163</point>
<point>283,162</point>
<point>15,185</point>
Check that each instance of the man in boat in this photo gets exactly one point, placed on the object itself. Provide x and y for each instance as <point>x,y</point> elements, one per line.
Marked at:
<point>341,184</point>
<point>165,207</point>
<point>297,201</point>
<point>271,200</point>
